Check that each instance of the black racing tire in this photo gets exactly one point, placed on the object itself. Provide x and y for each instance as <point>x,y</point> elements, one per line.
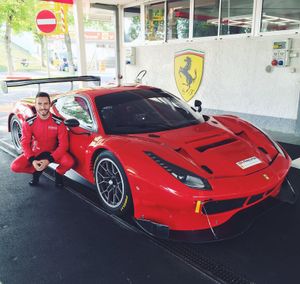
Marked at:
<point>112,184</point>
<point>16,133</point>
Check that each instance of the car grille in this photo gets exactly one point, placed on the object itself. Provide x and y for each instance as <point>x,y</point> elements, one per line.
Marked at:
<point>220,206</point>
<point>215,207</point>
<point>255,198</point>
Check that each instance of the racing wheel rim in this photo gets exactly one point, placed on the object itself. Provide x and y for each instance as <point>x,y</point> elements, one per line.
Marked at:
<point>16,134</point>
<point>110,183</point>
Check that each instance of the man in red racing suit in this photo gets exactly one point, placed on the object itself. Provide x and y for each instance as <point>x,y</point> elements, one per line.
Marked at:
<point>44,140</point>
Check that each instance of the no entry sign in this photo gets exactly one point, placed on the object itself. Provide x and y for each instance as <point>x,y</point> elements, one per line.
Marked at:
<point>46,21</point>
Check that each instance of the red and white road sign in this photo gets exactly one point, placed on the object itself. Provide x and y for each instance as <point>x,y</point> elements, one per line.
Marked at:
<point>46,21</point>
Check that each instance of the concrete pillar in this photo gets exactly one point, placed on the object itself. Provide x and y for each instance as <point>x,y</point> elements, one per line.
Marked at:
<point>79,31</point>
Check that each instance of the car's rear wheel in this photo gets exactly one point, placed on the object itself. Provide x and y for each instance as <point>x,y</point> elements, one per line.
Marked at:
<point>16,133</point>
<point>112,184</point>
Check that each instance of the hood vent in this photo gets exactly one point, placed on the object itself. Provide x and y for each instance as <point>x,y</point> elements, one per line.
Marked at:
<point>207,169</point>
<point>239,133</point>
<point>263,150</point>
<point>153,135</point>
<point>216,144</point>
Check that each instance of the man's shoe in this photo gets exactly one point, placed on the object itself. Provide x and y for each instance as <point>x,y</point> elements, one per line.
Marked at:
<point>35,178</point>
<point>59,180</point>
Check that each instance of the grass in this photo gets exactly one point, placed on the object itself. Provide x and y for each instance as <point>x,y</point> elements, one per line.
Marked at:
<point>18,53</point>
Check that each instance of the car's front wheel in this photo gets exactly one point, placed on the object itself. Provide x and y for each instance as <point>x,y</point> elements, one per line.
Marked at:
<point>112,184</point>
<point>16,133</point>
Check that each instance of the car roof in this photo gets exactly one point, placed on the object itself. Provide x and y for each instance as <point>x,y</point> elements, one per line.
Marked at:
<point>91,92</point>
<point>101,91</point>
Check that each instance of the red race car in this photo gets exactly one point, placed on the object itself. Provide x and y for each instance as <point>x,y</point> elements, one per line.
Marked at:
<point>182,175</point>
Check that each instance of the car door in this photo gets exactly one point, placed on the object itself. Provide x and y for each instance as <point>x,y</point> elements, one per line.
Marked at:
<point>78,107</point>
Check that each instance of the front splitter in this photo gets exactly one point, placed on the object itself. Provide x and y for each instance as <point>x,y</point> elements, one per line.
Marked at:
<point>234,227</point>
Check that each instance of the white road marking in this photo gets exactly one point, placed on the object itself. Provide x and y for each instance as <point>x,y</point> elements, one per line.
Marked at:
<point>296,163</point>
<point>8,152</point>
<point>7,144</point>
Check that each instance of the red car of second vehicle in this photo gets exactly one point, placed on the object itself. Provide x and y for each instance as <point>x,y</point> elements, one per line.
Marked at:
<point>181,174</point>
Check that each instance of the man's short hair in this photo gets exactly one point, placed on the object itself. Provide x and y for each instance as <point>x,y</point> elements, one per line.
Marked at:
<point>43,95</point>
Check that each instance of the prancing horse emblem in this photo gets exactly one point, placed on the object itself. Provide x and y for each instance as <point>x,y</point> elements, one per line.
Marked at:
<point>188,69</point>
<point>185,72</point>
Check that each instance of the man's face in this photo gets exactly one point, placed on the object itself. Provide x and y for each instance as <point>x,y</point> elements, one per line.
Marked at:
<point>42,106</point>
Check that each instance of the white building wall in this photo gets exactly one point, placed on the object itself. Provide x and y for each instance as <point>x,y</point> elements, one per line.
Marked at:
<point>234,77</point>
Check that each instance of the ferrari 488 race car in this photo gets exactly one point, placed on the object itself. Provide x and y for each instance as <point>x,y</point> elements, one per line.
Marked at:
<point>181,174</point>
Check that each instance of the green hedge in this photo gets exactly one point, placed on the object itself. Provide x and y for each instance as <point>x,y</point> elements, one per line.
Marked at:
<point>3,68</point>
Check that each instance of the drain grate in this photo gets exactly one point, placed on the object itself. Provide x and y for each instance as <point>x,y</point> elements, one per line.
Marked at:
<point>192,254</point>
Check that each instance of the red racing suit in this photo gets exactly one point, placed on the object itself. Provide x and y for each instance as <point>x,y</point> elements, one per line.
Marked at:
<point>44,139</point>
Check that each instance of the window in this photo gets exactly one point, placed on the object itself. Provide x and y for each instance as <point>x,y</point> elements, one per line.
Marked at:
<point>233,16</point>
<point>178,19</point>
<point>206,18</point>
<point>132,24</point>
<point>75,107</point>
<point>100,43</point>
<point>155,23</point>
<point>143,111</point>
<point>280,15</point>
<point>236,17</point>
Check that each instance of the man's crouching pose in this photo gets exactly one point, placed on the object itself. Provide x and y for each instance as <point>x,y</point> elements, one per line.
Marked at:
<point>44,140</point>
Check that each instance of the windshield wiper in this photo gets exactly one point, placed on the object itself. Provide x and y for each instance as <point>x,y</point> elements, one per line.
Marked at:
<point>187,123</point>
<point>161,126</point>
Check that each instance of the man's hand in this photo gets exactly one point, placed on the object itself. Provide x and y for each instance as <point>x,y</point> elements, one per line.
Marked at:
<point>36,164</point>
<point>40,165</point>
<point>43,164</point>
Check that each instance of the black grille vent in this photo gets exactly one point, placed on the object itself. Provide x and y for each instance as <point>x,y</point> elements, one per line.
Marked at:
<point>216,144</point>
<point>255,198</point>
<point>215,207</point>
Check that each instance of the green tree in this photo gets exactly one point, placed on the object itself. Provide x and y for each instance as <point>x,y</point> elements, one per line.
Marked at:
<point>68,43</point>
<point>18,16</point>
<point>40,39</point>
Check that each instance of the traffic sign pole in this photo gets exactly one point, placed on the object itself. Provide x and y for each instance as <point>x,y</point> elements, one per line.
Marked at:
<point>48,65</point>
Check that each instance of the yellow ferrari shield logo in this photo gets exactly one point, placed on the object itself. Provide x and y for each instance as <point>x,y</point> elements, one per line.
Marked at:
<point>188,69</point>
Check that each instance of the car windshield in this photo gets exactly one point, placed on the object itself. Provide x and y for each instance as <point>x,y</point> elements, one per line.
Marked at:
<point>143,111</point>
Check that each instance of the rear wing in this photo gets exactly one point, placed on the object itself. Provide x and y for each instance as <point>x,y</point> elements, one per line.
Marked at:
<point>26,82</point>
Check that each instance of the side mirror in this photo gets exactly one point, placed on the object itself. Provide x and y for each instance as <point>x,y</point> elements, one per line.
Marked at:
<point>71,122</point>
<point>197,105</point>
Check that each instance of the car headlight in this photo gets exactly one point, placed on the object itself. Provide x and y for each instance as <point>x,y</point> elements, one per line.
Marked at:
<point>186,177</point>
